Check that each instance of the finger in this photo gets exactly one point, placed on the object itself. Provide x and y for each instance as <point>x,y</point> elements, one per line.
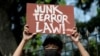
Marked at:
<point>74,32</point>
<point>74,28</point>
<point>26,28</point>
<point>77,37</point>
<point>26,25</point>
<point>26,31</point>
<point>71,30</point>
<point>33,33</point>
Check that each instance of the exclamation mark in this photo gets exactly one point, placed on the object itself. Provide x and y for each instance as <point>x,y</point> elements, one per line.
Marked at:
<point>63,28</point>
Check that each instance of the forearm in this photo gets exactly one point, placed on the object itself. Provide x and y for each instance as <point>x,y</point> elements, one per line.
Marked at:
<point>82,49</point>
<point>19,49</point>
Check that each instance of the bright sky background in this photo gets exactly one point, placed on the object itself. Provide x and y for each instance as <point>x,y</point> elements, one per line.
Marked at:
<point>79,13</point>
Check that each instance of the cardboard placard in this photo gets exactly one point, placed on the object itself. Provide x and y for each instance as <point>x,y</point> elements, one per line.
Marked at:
<point>46,18</point>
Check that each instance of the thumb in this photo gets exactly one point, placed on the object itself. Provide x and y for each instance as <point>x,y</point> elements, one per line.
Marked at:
<point>33,34</point>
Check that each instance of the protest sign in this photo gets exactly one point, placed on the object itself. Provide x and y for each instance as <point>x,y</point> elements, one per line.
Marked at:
<point>46,18</point>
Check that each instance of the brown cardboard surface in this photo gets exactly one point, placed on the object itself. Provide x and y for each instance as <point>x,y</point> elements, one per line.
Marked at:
<point>62,17</point>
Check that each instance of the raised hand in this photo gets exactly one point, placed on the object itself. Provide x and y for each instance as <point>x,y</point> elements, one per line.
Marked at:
<point>26,34</point>
<point>75,35</point>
